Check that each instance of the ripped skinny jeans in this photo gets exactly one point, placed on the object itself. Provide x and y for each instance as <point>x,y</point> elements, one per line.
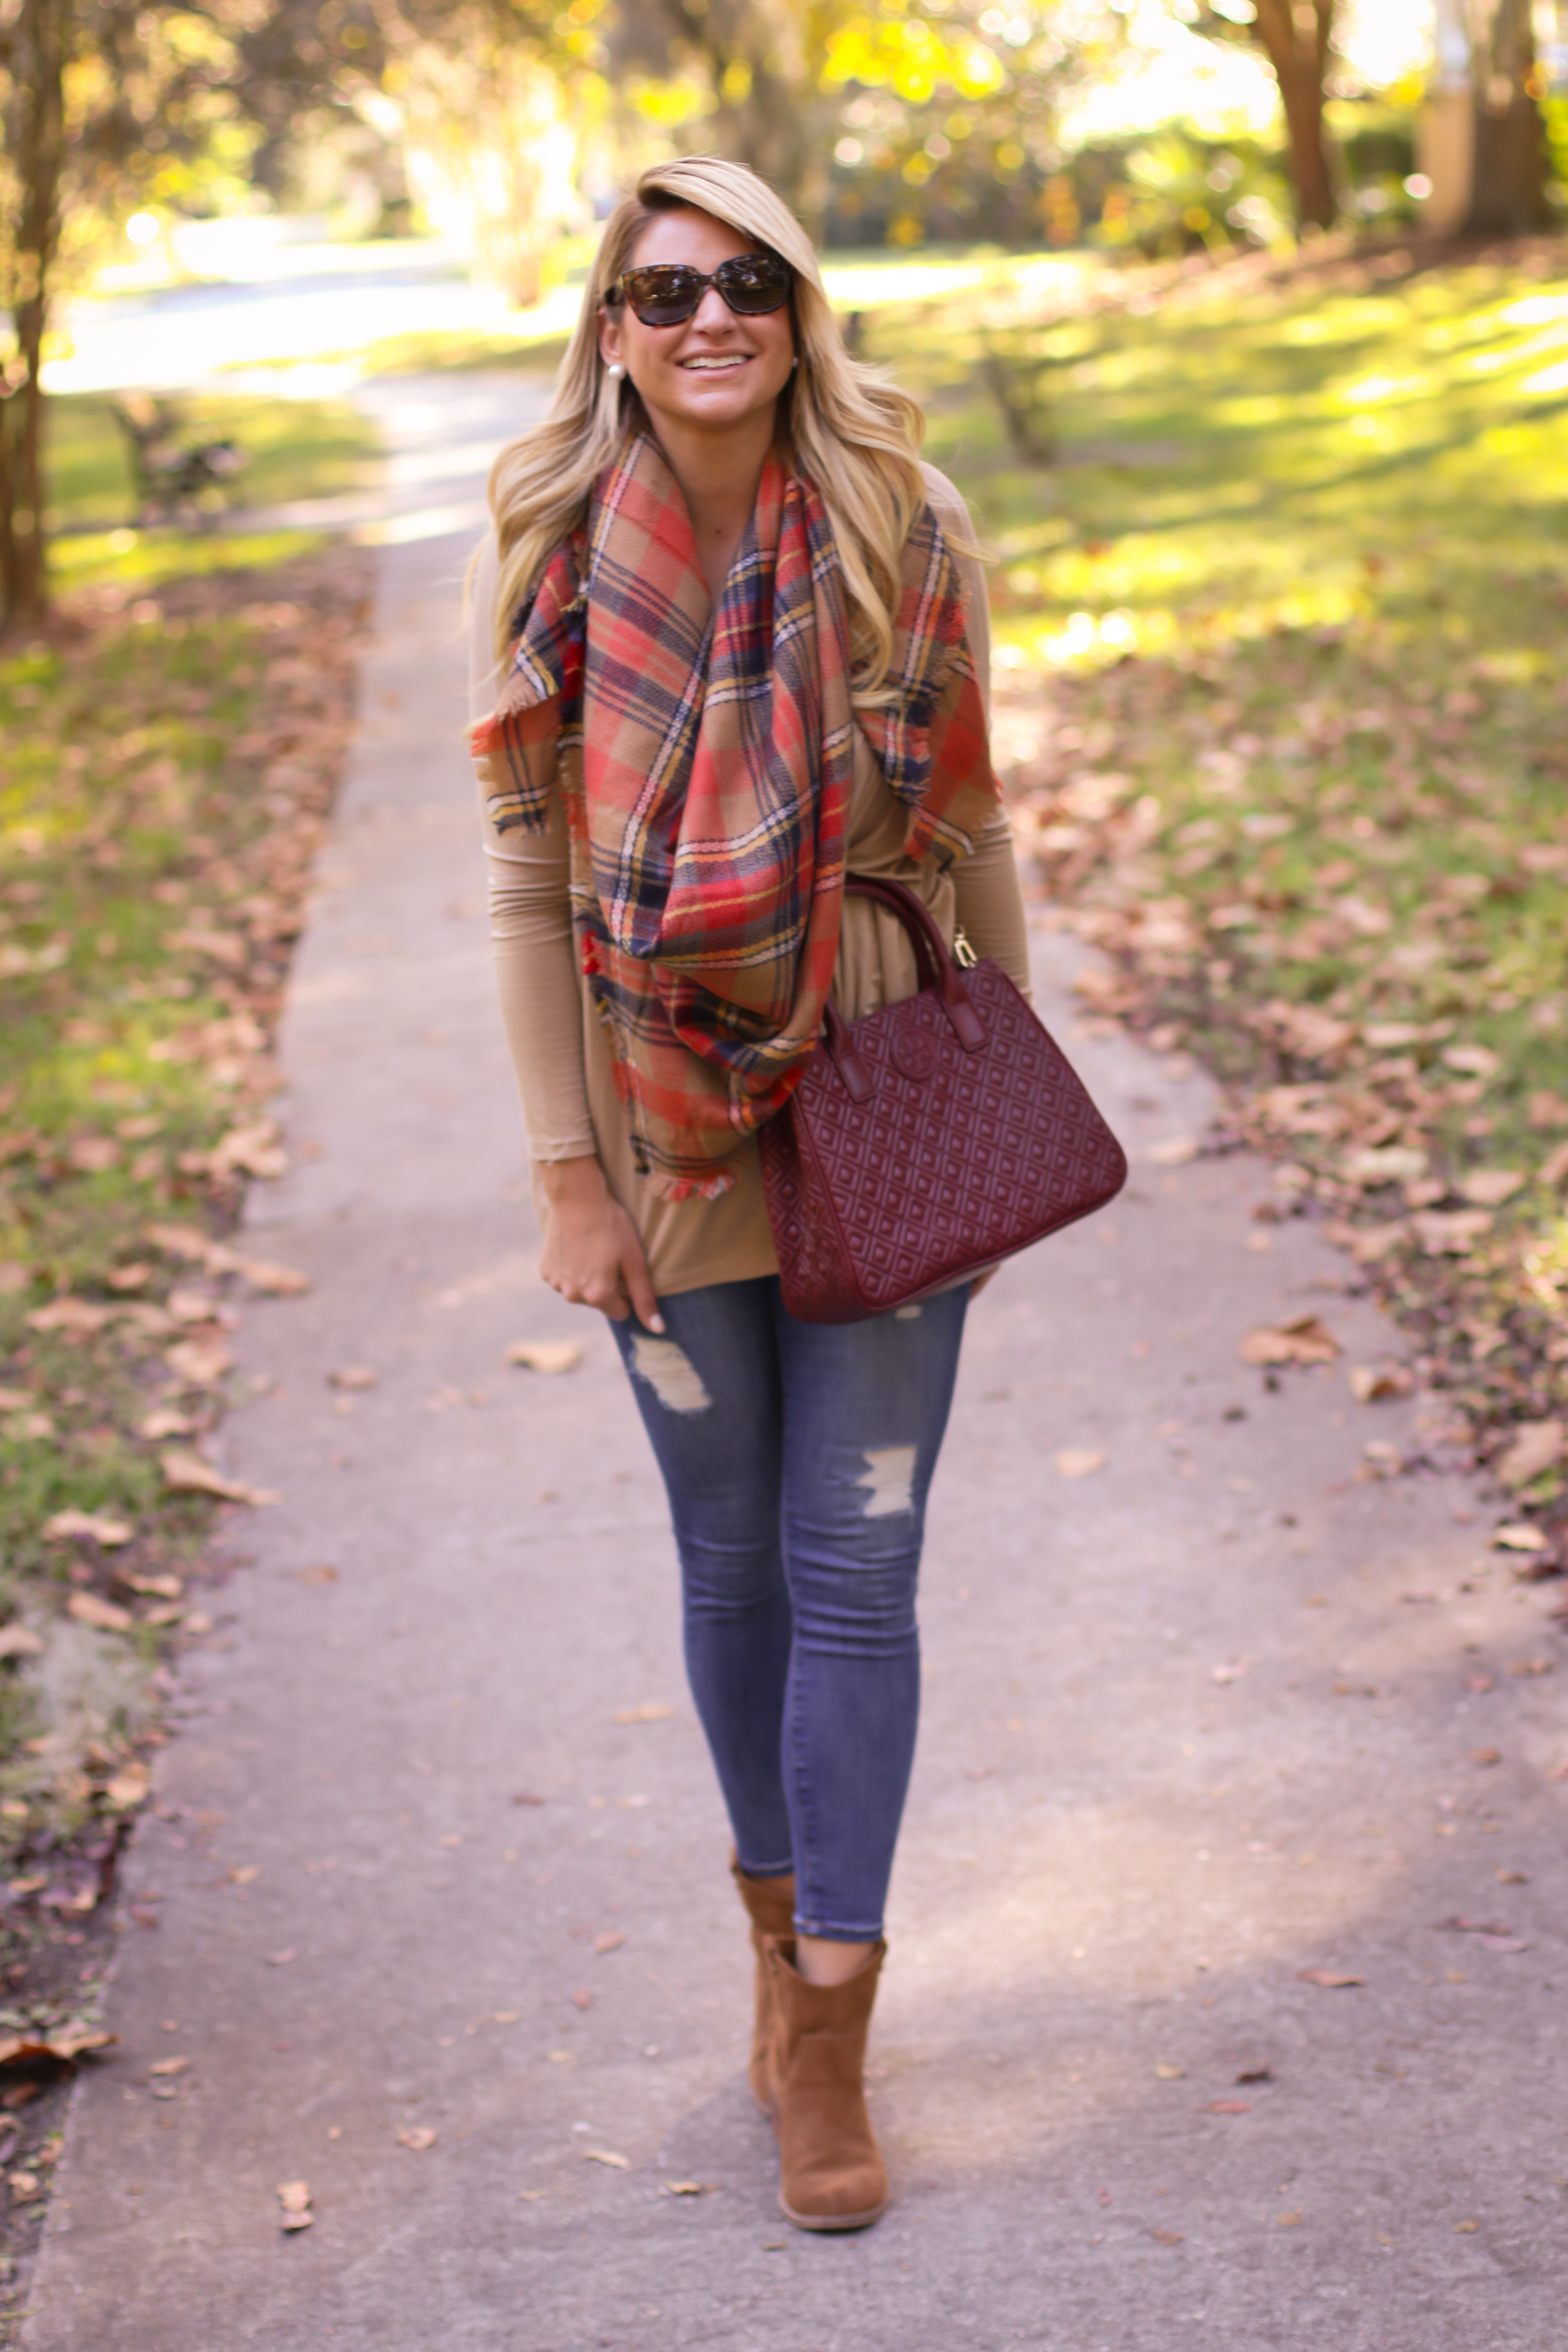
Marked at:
<point>798,1458</point>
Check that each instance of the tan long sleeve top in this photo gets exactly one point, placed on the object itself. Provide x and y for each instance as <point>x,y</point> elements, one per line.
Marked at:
<point>559,1049</point>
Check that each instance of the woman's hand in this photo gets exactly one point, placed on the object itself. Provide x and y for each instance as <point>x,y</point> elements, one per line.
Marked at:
<point>592,1254</point>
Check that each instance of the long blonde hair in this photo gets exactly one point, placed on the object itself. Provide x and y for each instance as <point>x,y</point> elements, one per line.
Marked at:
<point>852,432</point>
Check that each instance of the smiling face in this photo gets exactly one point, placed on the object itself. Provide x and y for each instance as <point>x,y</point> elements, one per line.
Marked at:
<point>715,372</point>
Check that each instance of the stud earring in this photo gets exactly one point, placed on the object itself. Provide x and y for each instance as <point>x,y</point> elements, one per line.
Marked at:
<point>615,371</point>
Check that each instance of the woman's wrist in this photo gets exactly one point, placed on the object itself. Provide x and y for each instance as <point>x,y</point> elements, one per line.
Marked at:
<point>573,1183</point>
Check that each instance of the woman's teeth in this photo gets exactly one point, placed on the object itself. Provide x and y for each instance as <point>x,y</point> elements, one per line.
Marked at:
<point>713,367</point>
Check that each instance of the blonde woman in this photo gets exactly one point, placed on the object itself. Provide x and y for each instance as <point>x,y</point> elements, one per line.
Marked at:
<point>730,644</point>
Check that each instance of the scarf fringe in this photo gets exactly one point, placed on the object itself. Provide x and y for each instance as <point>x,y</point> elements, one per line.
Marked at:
<point>690,1188</point>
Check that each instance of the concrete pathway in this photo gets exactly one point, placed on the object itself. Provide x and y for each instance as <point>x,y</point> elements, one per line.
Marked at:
<point>446,1929</point>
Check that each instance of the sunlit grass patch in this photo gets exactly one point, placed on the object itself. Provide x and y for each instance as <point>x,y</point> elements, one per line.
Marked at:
<point>1279,667</point>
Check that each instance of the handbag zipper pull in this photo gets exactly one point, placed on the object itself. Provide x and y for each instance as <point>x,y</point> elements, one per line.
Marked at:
<point>963,955</point>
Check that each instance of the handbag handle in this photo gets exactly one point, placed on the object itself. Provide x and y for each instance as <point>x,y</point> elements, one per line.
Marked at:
<point>937,971</point>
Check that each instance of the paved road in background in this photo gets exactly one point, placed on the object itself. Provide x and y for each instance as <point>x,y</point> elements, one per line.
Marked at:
<point>446,1930</point>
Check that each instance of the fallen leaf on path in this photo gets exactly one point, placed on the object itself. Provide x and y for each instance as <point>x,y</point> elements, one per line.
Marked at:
<point>1538,1445</point>
<point>1465,2228</point>
<point>187,1243</point>
<point>581,2000</point>
<point>154,1588</point>
<point>1450,1232</point>
<point>1367,1243</point>
<point>1330,1979</point>
<point>687,2187</point>
<point>1175,1151</point>
<point>294,2197</point>
<point>128,1786</point>
<point>1489,1188</point>
<point>1255,2075</point>
<point>607,2156</point>
<point>1168,2072</point>
<point>1226,2108</point>
<point>1231,1670</point>
<point>417,2136</point>
<point>165,1422</point>
<point>187,1474</point>
<point>1305,1340</point>
<point>526,1796</point>
<point>67,1525</point>
<point>20,1642</point>
<point>188,1305</point>
<point>1167,2237</point>
<point>1389,1163</point>
<point>545,1355</point>
<point>1458,1924</point>
<point>102,1615</point>
<point>610,1939</point>
<point>76,1315</point>
<point>1289,2220</point>
<point>276,1281</point>
<point>62,2042</point>
<point>1072,1463</point>
<point>242,1872</point>
<point>1484,1756</point>
<point>507,2016</point>
<point>281,1960</point>
<point>651,1710</point>
<point>1532,1667</point>
<point>315,1576</point>
<point>1514,1878</point>
<point>1517,1536</point>
<point>199,1363</point>
<point>168,2066</point>
<point>352,1375</point>
<point>253,1150</point>
<point>1372,1383</point>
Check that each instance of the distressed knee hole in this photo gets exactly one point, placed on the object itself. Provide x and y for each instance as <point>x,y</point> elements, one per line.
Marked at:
<point>670,1373</point>
<point>888,1479</point>
<point>906,1315</point>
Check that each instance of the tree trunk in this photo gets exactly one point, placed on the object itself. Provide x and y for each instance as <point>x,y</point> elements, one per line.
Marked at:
<point>1295,33</point>
<point>1508,187</point>
<point>35,133</point>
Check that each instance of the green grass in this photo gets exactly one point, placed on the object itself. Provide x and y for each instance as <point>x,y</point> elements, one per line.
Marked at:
<point>169,760</point>
<point>1280,652</point>
<point>294,450</point>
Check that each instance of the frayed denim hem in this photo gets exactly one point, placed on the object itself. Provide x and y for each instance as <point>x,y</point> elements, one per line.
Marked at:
<point>831,1931</point>
<point>765,1869</point>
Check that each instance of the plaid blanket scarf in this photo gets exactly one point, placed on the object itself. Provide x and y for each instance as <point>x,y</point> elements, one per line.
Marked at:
<point>705,760</point>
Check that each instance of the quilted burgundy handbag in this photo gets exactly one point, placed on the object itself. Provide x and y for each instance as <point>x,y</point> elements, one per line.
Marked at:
<point>928,1139</point>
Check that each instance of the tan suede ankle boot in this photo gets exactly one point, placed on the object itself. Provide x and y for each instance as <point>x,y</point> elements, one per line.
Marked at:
<point>770,1905</point>
<point>831,2175</point>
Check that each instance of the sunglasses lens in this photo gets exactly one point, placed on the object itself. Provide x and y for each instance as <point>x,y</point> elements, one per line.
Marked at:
<point>753,284</point>
<point>664,294</point>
